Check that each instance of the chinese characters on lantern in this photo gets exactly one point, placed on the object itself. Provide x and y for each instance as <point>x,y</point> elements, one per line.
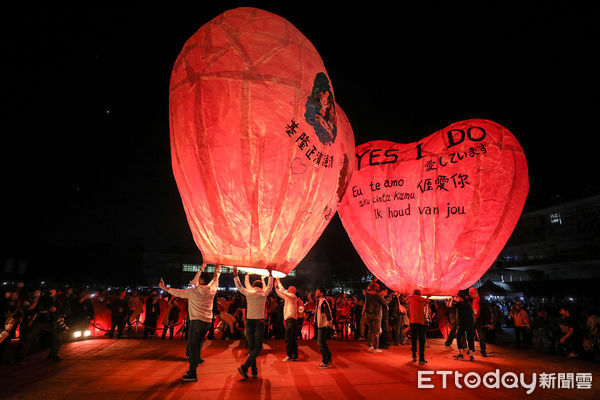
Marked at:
<point>311,151</point>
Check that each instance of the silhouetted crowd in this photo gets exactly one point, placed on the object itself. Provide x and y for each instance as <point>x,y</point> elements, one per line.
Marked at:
<point>45,316</point>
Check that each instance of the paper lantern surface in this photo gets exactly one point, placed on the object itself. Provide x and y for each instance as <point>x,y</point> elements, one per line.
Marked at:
<point>261,153</point>
<point>435,214</point>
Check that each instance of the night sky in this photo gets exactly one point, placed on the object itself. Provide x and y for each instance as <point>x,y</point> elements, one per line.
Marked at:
<point>86,157</point>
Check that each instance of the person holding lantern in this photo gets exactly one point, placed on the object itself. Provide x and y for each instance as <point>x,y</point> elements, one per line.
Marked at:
<point>417,307</point>
<point>465,325</point>
<point>290,316</point>
<point>200,308</point>
<point>256,297</point>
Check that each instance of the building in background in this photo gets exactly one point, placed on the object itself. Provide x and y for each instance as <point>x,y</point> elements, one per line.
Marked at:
<point>553,251</point>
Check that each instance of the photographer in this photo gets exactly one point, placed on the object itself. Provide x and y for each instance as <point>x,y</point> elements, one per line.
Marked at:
<point>48,316</point>
<point>8,326</point>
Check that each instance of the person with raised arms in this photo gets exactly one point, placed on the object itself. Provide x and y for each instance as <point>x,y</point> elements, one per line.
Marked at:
<point>200,308</point>
<point>290,316</point>
<point>256,297</point>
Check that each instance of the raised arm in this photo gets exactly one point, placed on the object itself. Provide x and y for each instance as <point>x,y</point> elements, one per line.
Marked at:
<point>281,291</point>
<point>215,282</point>
<point>181,293</point>
<point>270,284</point>
<point>237,283</point>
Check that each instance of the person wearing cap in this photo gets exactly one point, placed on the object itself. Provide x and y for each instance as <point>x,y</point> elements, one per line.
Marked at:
<point>482,313</point>
<point>200,308</point>
<point>290,316</point>
<point>256,297</point>
<point>417,308</point>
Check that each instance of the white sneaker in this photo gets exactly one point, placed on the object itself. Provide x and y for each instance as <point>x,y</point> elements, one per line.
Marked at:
<point>287,359</point>
<point>377,351</point>
<point>371,349</point>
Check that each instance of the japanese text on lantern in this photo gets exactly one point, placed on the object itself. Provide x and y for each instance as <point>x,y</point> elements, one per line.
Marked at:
<point>393,198</point>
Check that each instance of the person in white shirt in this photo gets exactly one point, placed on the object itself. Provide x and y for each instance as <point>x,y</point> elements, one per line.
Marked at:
<point>290,316</point>
<point>256,297</point>
<point>200,308</point>
<point>323,318</point>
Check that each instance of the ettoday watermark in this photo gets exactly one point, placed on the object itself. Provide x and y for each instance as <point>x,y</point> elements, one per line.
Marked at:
<point>508,380</point>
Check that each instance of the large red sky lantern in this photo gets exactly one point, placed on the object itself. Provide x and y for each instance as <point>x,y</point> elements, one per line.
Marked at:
<point>435,214</point>
<point>261,153</point>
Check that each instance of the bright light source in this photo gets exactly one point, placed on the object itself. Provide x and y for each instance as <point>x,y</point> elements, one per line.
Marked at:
<point>87,333</point>
<point>262,271</point>
<point>77,334</point>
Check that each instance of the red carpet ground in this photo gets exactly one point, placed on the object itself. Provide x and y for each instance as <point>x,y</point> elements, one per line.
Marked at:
<point>152,369</point>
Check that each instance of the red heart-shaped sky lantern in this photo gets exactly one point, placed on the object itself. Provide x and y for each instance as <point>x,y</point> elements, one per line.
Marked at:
<point>435,214</point>
<point>261,153</point>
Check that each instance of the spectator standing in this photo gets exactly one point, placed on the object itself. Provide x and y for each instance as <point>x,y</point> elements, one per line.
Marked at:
<point>324,322</point>
<point>482,313</point>
<point>151,315</point>
<point>373,312</point>
<point>171,318</point>
<point>397,312</point>
<point>522,325</point>
<point>46,318</point>
<point>385,320</point>
<point>118,314</point>
<point>135,305</point>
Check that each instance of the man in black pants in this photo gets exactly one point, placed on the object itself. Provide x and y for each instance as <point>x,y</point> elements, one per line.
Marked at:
<point>47,311</point>
<point>290,316</point>
<point>324,321</point>
<point>417,310</point>
<point>200,308</point>
<point>483,318</point>
<point>118,315</point>
<point>256,297</point>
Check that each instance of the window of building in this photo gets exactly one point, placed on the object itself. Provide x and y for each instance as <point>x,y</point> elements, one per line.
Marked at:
<point>555,218</point>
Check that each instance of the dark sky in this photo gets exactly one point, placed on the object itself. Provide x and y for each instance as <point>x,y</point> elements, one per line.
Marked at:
<point>86,155</point>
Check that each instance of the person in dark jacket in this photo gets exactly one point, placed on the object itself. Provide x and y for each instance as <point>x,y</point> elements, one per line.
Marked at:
<point>171,318</point>
<point>384,340</point>
<point>47,315</point>
<point>398,310</point>
<point>82,311</point>
<point>118,314</point>
<point>152,311</point>
<point>482,312</point>
<point>465,323</point>
<point>373,312</point>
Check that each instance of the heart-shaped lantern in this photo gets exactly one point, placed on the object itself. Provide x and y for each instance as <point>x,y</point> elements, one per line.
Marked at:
<point>261,153</point>
<point>435,214</point>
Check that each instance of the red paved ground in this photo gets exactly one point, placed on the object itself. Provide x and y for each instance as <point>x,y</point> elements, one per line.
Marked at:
<point>151,369</point>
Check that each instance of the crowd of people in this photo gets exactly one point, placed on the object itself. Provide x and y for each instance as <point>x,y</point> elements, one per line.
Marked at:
<point>34,317</point>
